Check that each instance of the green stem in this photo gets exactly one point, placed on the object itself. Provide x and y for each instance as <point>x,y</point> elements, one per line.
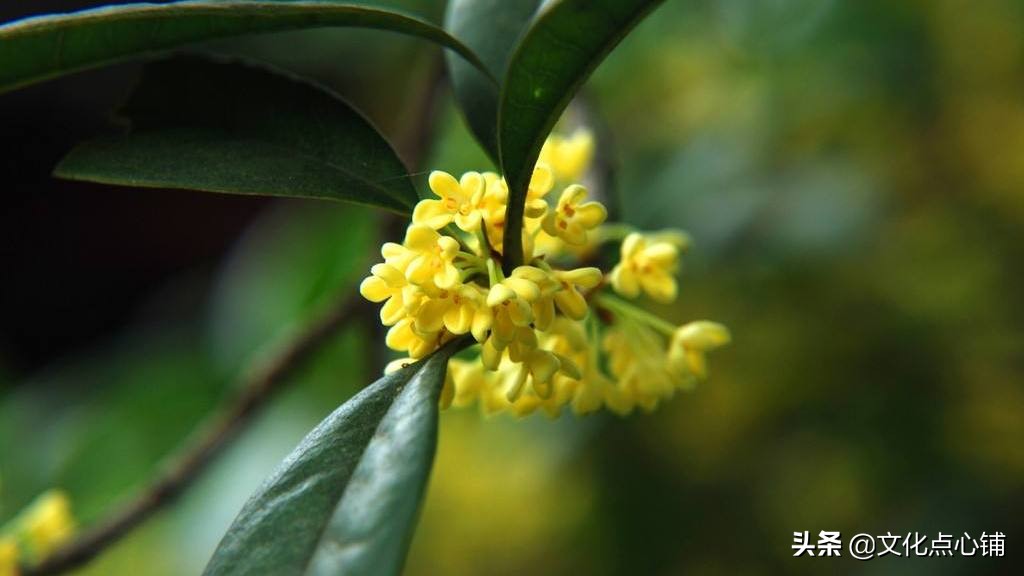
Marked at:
<point>471,259</point>
<point>628,310</point>
<point>485,242</point>
<point>614,232</point>
<point>493,272</point>
<point>452,231</point>
<point>468,273</point>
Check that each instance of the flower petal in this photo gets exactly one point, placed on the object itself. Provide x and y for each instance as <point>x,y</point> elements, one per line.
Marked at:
<point>431,213</point>
<point>444,184</point>
<point>591,215</point>
<point>375,289</point>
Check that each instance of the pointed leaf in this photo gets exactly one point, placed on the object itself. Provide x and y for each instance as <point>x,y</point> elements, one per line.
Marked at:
<point>237,129</point>
<point>346,500</point>
<point>490,28</point>
<point>565,43</point>
<point>35,49</point>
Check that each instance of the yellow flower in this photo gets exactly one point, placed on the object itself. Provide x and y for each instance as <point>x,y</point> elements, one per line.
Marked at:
<point>402,337</point>
<point>573,218</point>
<point>532,374</point>
<point>8,557</point>
<point>541,182</point>
<point>494,202</point>
<point>569,299</point>
<point>388,284</point>
<point>635,359</point>
<point>469,380</point>
<point>568,157</point>
<point>511,302</point>
<point>544,245</point>
<point>453,310</point>
<point>47,524</point>
<point>690,342</point>
<point>459,199</point>
<point>492,208</point>
<point>537,365</point>
<point>568,339</point>
<point>592,390</point>
<point>648,263</point>
<point>433,257</point>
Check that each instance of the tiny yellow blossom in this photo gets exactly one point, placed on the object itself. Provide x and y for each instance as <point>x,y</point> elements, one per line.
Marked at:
<point>8,556</point>
<point>582,385</point>
<point>453,310</point>
<point>468,378</point>
<point>529,382</point>
<point>458,203</point>
<point>568,157</point>
<point>492,208</point>
<point>541,183</point>
<point>689,344</point>
<point>648,264</point>
<point>573,218</point>
<point>540,366</point>
<point>511,302</point>
<point>636,360</point>
<point>433,257</point>
<point>569,299</point>
<point>46,524</point>
<point>402,337</point>
<point>388,284</point>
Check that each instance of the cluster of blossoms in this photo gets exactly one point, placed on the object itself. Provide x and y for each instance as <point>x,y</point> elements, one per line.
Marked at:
<point>552,332</point>
<point>36,532</point>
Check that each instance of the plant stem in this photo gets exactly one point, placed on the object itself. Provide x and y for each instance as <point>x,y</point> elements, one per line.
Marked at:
<point>485,242</point>
<point>261,380</point>
<point>494,275</point>
<point>628,310</point>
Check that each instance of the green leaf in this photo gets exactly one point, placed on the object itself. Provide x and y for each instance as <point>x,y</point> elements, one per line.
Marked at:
<point>565,43</point>
<point>490,28</point>
<point>347,498</point>
<point>39,48</point>
<point>237,129</point>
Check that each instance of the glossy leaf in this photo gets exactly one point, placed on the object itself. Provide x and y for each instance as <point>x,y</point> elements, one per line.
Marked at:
<point>238,129</point>
<point>565,43</point>
<point>346,500</point>
<point>44,47</point>
<point>490,28</point>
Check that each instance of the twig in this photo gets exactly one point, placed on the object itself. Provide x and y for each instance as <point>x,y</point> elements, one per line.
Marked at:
<point>259,383</point>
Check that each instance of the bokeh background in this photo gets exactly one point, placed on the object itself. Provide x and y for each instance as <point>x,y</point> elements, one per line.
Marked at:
<point>852,173</point>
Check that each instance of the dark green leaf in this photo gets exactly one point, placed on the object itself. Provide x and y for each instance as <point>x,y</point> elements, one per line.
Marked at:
<point>490,28</point>
<point>566,41</point>
<point>346,500</point>
<point>239,129</point>
<point>44,47</point>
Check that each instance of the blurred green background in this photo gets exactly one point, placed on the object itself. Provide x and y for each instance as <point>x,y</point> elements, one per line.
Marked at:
<point>852,174</point>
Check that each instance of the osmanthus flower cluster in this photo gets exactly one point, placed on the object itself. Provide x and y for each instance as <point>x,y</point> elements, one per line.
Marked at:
<point>36,532</point>
<point>553,332</point>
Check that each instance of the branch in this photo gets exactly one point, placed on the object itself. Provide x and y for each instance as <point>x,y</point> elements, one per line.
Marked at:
<point>263,378</point>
